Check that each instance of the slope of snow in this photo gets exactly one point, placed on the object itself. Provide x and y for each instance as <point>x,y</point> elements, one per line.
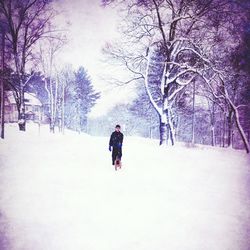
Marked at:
<point>60,192</point>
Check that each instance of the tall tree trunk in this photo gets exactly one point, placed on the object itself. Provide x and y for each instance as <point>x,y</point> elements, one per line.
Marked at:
<point>52,122</point>
<point>193,118</point>
<point>212,125</point>
<point>166,124</point>
<point>63,108</point>
<point>171,127</point>
<point>2,97</point>
<point>21,115</point>
<point>238,124</point>
<point>2,108</point>
<point>212,136</point>
<point>163,133</point>
<point>163,130</point>
<point>166,129</point>
<point>240,129</point>
<point>55,101</point>
<point>21,104</point>
<point>230,128</point>
<point>48,87</point>
<point>224,129</point>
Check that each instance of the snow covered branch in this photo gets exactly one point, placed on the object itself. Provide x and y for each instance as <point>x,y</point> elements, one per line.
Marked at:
<point>182,83</point>
<point>149,93</point>
<point>175,92</point>
<point>195,52</point>
<point>175,78</point>
<point>29,78</point>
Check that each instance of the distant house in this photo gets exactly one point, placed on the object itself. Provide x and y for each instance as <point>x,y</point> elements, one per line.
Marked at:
<point>33,108</point>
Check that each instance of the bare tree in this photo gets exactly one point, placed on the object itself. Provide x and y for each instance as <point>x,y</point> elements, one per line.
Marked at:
<point>26,21</point>
<point>165,47</point>
<point>2,80</point>
<point>48,51</point>
<point>222,93</point>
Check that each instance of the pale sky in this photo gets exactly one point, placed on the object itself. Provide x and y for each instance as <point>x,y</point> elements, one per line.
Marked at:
<point>89,26</point>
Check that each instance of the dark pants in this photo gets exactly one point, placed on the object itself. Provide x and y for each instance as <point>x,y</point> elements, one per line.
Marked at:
<point>116,153</point>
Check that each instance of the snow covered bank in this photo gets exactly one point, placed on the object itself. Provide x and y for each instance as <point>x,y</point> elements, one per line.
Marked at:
<point>61,193</point>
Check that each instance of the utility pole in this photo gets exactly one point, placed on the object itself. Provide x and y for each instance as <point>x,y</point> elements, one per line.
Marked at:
<point>2,85</point>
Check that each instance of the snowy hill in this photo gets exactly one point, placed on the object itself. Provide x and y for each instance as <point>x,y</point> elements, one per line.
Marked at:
<point>60,192</point>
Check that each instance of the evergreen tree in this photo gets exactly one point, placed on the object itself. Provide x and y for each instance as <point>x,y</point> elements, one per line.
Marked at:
<point>80,98</point>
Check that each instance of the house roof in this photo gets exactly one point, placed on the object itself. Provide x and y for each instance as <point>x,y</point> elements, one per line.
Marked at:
<point>30,99</point>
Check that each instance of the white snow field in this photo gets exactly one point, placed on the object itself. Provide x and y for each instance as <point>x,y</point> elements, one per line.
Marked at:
<point>60,192</point>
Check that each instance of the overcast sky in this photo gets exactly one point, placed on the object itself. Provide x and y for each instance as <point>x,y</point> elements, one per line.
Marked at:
<point>89,26</point>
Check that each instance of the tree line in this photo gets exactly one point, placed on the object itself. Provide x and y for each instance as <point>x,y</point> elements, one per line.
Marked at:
<point>192,59</point>
<point>67,97</point>
<point>30,44</point>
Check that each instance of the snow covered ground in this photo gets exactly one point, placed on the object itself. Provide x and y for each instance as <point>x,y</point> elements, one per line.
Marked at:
<point>60,192</point>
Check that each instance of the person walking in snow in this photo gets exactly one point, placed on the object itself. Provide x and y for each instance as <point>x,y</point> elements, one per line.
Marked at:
<point>115,144</point>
